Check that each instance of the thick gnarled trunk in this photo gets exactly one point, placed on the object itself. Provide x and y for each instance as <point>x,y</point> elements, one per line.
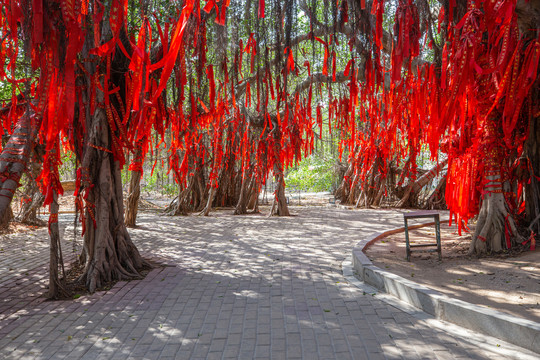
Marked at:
<point>108,252</point>
<point>191,197</point>
<point>494,223</point>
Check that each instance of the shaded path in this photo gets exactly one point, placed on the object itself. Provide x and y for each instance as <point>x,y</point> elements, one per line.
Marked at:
<point>24,273</point>
<point>241,287</point>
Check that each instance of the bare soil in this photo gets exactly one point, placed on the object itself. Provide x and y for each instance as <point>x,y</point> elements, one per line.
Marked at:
<point>508,282</point>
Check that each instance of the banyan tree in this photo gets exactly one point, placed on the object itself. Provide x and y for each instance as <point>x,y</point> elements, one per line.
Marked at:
<point>246,88</point>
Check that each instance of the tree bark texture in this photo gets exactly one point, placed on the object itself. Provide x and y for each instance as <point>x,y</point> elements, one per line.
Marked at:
<point>280,206</point>
<point>343,190</point>
<point>33,198</point>
<point>192,196</point>
<point>412,190</point>
<point>248,192</point>
<point>15,157</point>
<point>241,206</point>
<point>494,223</point>
<point>56,261</point>
<point>352,192</point>
<point>132,204</point>
<point>531,165</point>
<point>6,218</point>
<point>108,252</point>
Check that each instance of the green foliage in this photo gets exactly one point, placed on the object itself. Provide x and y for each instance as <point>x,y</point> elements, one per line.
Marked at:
<point>125,173</point>
<point>314,173</point>
<point>68,166</point>
<point>155,182</point>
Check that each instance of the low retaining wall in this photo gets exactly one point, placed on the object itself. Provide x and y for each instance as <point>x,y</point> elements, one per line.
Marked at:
<point>515,330</point>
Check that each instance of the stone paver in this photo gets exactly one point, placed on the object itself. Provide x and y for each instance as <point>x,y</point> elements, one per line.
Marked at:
<point>238,287</point>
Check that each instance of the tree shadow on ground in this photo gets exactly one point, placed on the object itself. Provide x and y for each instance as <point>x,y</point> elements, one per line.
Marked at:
<point>241,287</point>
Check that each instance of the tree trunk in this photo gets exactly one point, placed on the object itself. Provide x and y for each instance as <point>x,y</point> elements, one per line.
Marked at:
<point>377,200</point>
<point>413,189</point>
<point>246,199</point>
<point>532,169</point>
<point>241,206</point>
<point>108,252</point>
<point>179,206</point>
<point>369,192</point>
<point>210,200</point>
<point>493,218</point>
<point>33,197</point>
<point>354,192</point>
<point>253,203</point>
<point>280,206</point>
<point>56,261</point>
<point>490,227</point>
<point>436,199</point>
<point>132,204</point>
<point>343,192</point>
<point>191,197</point>
<point>344,189</point>
<point>15,157</point>
<point>6,218</point>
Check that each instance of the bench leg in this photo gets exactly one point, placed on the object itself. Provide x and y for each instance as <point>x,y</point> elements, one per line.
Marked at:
<point>407,241</point>
<point>438,234</point>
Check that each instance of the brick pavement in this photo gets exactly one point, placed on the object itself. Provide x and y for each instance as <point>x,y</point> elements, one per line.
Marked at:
<point>238,287</point>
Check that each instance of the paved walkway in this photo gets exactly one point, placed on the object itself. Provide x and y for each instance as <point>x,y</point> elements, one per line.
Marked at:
<point>238,287</point>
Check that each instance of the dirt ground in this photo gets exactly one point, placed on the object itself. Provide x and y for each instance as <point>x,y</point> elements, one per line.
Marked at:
<point>507,282</point>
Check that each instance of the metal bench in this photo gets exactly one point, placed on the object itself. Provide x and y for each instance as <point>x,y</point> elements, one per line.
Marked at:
<point>422,215</point>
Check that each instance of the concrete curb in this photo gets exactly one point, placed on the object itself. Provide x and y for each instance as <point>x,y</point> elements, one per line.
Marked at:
<point>515,330</point>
